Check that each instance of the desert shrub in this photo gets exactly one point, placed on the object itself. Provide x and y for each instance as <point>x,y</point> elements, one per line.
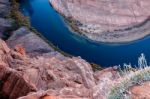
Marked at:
<point>130,78</point>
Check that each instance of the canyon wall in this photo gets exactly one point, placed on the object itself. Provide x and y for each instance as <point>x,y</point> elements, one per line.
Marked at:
<point>31,69</point>
<point>107,21</point>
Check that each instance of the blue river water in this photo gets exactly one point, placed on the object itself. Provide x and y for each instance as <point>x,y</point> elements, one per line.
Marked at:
<point>52,26</point>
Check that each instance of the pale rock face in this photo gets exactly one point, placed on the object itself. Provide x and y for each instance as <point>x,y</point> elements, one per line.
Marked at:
<point>107,12</point>
<point>107,20</point>
<point>114,13</point>
<point>29,40</point>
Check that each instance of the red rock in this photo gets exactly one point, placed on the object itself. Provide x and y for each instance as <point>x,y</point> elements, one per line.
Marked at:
<point>70,77</point>
<point>50,97</point>
<point>12,84</point>
<point>4,47</point>
<point>20,49</point>
<point>140,91</point>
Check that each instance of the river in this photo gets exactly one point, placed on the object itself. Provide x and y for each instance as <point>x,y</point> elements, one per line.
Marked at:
<point>53,27</point>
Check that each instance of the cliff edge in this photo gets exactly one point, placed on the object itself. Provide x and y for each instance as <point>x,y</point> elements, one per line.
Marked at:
<point>106,21</point>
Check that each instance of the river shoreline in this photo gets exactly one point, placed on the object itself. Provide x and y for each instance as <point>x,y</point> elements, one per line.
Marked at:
<point>76,31</point>
<point>26,22</point>
<point>120,36</point>
<point>54,29</point>
<point>94,65</point>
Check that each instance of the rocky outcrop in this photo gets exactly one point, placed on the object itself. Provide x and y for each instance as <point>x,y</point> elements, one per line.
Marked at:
<point>29,40</point>
<point>5,24</point>
<point>32,65</point>
<point>107,21</point>
<point>104,81</point>
<point>56,76</point>
<point>12,83</point>
<point>31,69</point>
<point>69,77</point>
<point>97,91</point>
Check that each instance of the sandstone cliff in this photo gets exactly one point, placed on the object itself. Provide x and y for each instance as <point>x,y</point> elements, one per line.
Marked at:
<point>107,21</point>
<point>31,69</point>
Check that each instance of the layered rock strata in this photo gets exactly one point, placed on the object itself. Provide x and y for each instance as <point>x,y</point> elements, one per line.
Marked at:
<point>107,21</point>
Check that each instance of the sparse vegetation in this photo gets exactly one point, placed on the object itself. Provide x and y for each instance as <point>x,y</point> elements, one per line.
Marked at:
<point>129,79</point>
<point>96,67</point>
<point>20,19</point>
<point>73,24</point>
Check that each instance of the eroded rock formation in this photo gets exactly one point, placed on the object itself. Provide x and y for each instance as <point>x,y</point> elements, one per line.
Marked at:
<point>57,77</point>
<point>12,83</point>
<point>107,21</point>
